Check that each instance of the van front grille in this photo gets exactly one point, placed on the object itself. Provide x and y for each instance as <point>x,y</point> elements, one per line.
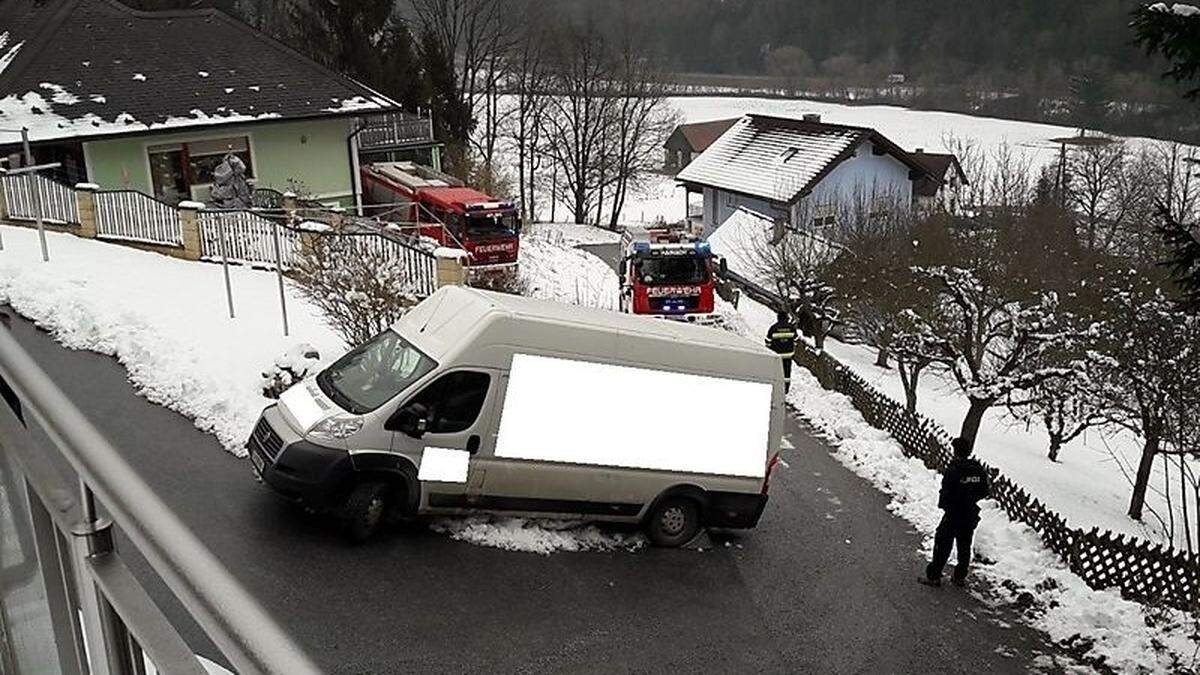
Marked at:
<point>268,442</point>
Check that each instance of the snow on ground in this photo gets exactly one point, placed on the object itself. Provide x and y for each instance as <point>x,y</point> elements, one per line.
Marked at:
<point>1013,564</point>
<point>552,269</point>
<point>167,322</point>
<point>1089,485</point>
<point>572,234</point>
<point>536,536</point>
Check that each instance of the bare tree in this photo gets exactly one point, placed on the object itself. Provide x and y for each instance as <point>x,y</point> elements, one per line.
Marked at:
<point>578,115</point>
<point>642,114</point>
<point>1104,188</point>
<point>1144,337</point>
<point>527,73</point>
<point>359,288</point>
<point>987,340</point>
<point>795,263</point>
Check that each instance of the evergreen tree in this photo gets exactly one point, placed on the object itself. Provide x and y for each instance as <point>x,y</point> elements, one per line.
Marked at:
<point>1175,34</point>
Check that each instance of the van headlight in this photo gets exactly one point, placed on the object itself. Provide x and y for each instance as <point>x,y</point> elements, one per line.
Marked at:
<point>337,427</point>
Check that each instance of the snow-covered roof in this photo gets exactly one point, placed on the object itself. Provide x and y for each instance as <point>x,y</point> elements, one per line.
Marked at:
<point>780,158</point>
<point>72,68</point>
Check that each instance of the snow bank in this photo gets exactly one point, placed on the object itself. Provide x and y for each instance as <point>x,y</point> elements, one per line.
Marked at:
<point>165,320</point>
<point>1018,568</point>
<point>535,536</point>
<point>553,270</point>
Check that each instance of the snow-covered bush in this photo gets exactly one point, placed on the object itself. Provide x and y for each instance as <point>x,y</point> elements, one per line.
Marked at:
<point>289,368</point>
<point>359,288</point>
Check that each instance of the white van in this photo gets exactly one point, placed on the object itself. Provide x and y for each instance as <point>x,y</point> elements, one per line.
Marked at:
<point>479,401</point>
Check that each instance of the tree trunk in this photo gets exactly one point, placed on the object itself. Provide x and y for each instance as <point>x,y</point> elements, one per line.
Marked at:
<point>1142,481</point>
<point>1055,446</point>
<point>819,339</point>
<point>970,425</point>
<point>881,359</point>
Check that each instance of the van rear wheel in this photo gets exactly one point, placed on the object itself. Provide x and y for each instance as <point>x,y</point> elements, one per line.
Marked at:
<point>365,509</point>
<point>674,521</point>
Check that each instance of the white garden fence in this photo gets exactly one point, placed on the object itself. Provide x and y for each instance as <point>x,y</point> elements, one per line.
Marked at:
<point>134,216</point>
<point>58,200</point>
<point>247,238</point>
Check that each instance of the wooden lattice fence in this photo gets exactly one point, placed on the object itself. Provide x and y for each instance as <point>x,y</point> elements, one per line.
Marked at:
<point>1141,571</point>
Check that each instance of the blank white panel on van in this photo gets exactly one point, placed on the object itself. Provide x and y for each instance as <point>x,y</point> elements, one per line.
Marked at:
<point>562,410</point>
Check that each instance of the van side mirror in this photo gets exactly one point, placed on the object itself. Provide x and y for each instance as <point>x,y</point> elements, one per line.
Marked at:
<point>723,266</point>
<point>411,420</point>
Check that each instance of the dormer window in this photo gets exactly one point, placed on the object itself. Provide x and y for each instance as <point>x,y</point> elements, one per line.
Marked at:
<point>788,154</point>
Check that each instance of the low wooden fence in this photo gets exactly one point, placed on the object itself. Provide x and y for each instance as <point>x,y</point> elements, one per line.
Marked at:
<point>129,215</point>
<point>58,203</point>
<point>1141,571</point>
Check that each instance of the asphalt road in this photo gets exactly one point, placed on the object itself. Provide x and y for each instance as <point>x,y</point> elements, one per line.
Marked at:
<point>826,583</point>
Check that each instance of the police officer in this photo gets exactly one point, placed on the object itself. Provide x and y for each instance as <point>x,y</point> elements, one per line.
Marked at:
<point>781,339</point>
<point>963,485</point>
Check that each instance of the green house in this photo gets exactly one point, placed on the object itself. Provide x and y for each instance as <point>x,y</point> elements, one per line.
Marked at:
<point>152,101</point>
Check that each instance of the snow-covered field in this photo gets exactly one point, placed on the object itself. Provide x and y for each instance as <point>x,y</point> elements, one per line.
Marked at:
<point>1014,565</point>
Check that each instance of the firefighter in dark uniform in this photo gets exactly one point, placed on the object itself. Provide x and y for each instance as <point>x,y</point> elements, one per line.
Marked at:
<point>963,485</point>
<point>781,339</point>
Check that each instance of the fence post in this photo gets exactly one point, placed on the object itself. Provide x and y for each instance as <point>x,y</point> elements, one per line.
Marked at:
<point>279,276</point>
<point>85,200</point>
<point>450,268</point>
<point>189,229</point>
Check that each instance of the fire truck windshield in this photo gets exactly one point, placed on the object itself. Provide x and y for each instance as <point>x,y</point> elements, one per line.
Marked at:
<point>673,270</point>
<point>493,223</point>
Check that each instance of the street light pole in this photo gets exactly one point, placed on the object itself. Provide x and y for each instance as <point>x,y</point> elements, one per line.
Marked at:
<point>37,195</point>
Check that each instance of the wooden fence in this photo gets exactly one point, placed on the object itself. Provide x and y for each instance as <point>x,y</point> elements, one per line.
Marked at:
<point>58,201</point>
<point>1141,571</point>
<point>129,215</point>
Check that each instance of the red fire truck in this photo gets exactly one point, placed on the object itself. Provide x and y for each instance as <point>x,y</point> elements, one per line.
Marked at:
<point>667,273</point>
<point>447,211</point>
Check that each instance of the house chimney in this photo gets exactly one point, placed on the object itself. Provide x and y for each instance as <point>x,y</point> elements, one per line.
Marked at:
<point>919,151</point>
<point>812,117</point>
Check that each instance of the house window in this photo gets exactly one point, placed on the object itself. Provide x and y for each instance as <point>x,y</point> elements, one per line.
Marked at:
<point>176,168</point>
<point>824,216</point>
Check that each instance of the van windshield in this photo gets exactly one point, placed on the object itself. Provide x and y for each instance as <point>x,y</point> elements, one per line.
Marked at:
<point>372,373</point>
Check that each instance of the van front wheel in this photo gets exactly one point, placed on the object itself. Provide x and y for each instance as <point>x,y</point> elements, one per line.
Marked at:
<point>674,521</point>
<point>365,509</point>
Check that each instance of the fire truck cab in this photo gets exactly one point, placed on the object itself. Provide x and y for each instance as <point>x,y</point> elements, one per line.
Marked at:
<point>447,211</point>
<point>667,273</point>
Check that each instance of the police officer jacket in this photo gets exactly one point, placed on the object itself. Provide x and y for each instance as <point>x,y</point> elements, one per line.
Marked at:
<point>964,484</point>
<point>781,339</point>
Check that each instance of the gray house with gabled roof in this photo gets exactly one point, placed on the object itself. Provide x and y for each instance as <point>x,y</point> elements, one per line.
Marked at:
<point>799,170</point>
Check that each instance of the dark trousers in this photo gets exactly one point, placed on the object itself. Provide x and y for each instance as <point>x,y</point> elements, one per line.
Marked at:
<point>787,373</point>
<point>954,530</point>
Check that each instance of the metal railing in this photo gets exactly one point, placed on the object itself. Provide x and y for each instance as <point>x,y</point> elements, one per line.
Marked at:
<point>246,237</point>
<point>103,620</point>
<point>133,216</point>
<point>58,201</point>
<point>394,130</point>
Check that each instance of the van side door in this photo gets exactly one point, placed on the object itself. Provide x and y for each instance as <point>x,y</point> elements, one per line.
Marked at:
<point>441,428</point>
